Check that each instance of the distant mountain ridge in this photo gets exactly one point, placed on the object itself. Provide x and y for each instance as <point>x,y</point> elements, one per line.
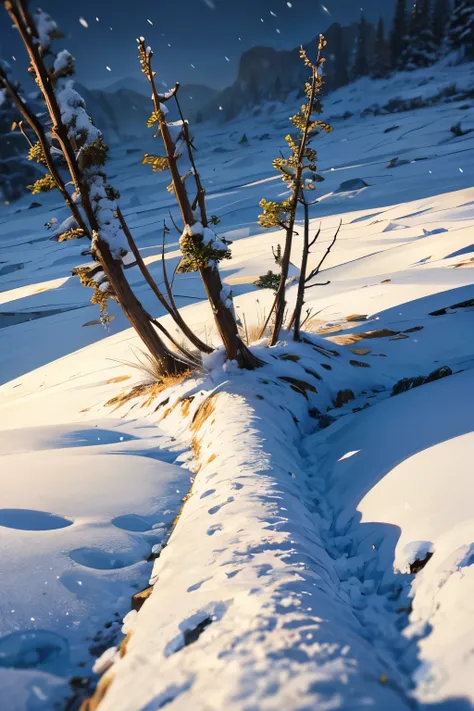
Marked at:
<point>122,109</point>
<point>266,73</point>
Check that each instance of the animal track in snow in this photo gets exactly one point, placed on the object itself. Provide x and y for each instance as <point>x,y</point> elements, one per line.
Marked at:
<point>218,507</point>
<point>213,529</point>
<point>131,522</point>
<point>209,492</point>
<point>102,560</point>
<point>31,520</point>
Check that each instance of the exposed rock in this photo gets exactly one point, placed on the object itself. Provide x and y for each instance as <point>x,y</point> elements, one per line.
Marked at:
<point>325,421</point>
<point>343,397</point>
<point>406,384</point>
<point>353,184</point>
<point>418,565</point>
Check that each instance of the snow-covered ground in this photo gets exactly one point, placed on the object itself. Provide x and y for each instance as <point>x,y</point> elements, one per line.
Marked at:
<point>296,576</point>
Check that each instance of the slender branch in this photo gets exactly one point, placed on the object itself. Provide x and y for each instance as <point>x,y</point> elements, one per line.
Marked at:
<point>201,193</point>
<point>168,335</point>
<point>25,135</point>
<point>313,241</point>
<point>170,308</point>
<point>169,290</point>
<point>324,257</point>
<point>174,224</point>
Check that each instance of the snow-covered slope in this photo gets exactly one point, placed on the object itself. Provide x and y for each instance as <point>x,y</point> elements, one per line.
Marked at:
<point>294,577</point>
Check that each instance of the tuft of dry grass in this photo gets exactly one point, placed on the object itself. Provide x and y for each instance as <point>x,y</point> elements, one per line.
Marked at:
<point>255,331</point>
<point>203,412</point>
<point>118,379</point>
<point>92,703</point>
<point>149,389</point>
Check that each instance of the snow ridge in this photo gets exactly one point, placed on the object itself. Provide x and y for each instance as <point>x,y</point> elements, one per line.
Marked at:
<point>260,607</point>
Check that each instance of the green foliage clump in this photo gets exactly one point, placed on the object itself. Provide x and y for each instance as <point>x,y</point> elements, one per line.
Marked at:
<point>198,255</point>
<point>94,154</point>
<point>43,185</point>
<point>270,280</point>
<point>275,214</point>
<point>36,153</point>
<point>298,168</point>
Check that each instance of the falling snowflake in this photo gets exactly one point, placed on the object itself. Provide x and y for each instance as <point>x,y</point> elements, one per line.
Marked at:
<point>109,70</point>
<point>83,22</point>
<point>227,59</point>
<point>324,9</point>
<point>273,14</point>
<point>149,21</point>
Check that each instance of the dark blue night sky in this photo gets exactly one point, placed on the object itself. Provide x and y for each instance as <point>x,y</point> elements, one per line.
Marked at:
<point>201,33</point>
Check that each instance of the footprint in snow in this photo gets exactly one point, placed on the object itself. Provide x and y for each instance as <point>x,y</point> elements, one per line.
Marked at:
<point>209,492</point>
<point>213,529</point>
<point>131,522</point>
<point>30,520</point>
<point>214,509</point>
<point>102,560</point>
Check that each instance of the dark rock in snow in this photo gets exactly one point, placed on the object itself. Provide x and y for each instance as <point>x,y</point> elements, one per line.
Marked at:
<point>409,383</point>
<point>343,397</point>
<point>439,373</point>
<point>406,384</point>
<point>418,565</point>
<point>354,184</point>
<point>325,421</point>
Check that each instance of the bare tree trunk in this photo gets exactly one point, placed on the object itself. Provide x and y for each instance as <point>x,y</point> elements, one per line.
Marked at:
<point>112,267</point>
<point>134,310</point>
<point>301,283</point>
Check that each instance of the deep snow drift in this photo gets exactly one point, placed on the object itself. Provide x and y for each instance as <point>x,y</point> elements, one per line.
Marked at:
<point>323,555</point>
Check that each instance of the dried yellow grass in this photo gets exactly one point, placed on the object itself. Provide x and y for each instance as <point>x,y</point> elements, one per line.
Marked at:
<point>151,390</point>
